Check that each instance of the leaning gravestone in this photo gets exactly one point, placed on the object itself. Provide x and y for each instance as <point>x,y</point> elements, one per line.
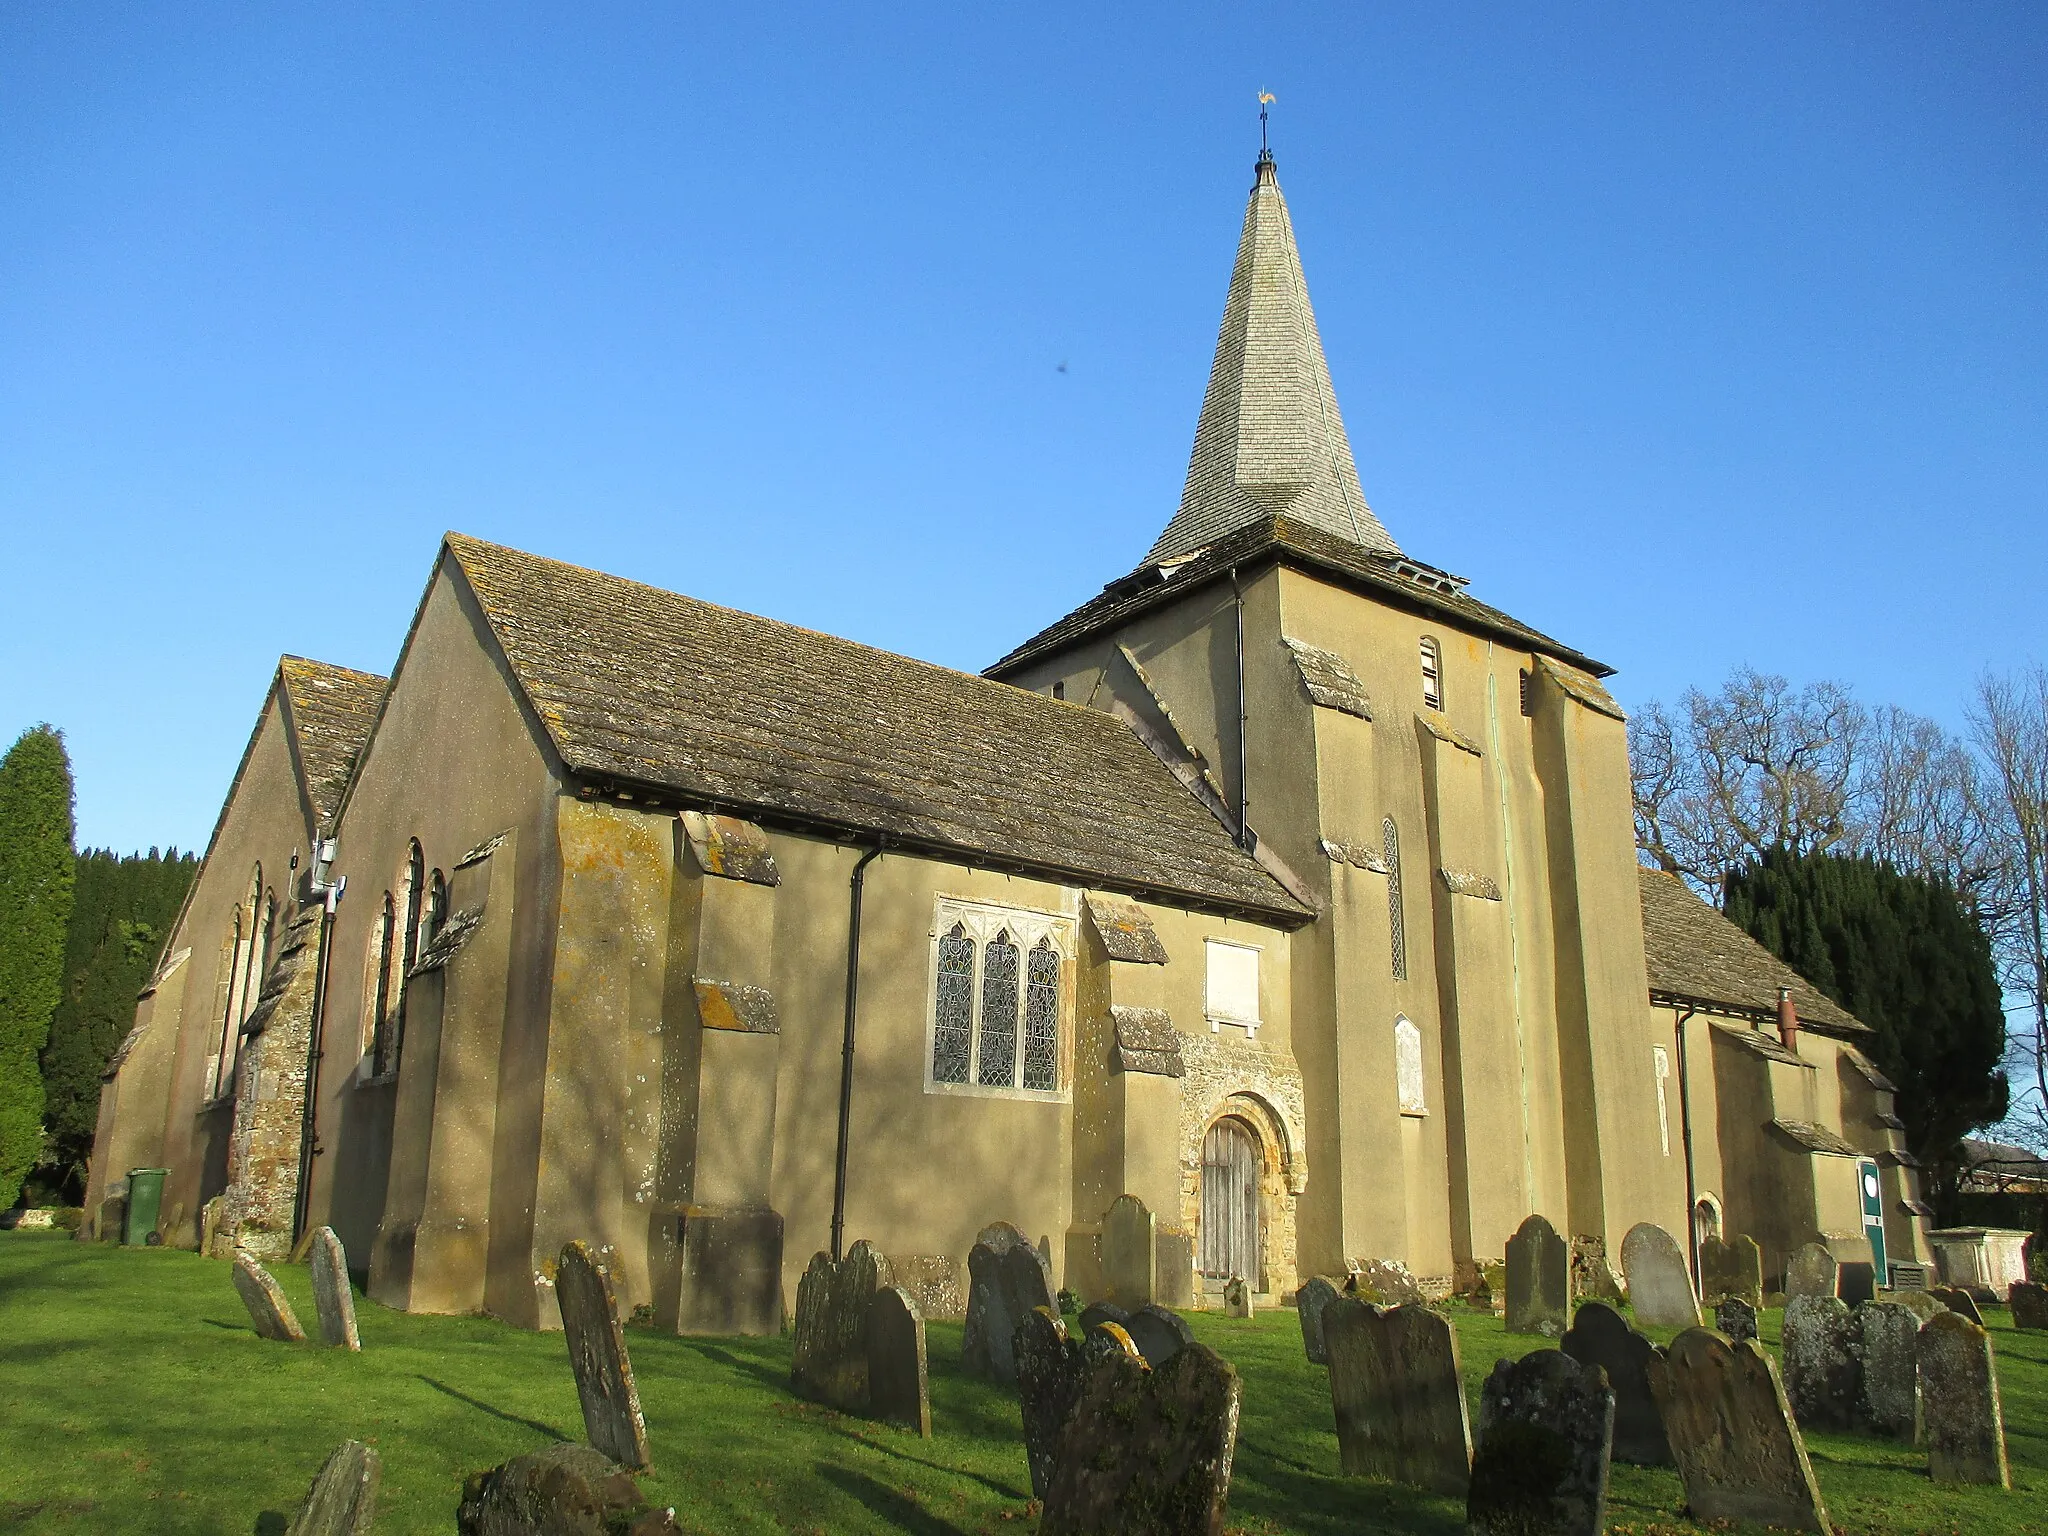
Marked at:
<point>597,1354</point>
<point>1819,1351</point>
<point>1599,1336</point>
<point>1734,1267</point>
<point>268,1309</point>
<point>1006,1279</point>
<point>332,1298</point>
<point>1397,1395</point>
<point>898,1389</point>
<point>560,1490</point>
<point>1735,1317</point>
<point>1096,1313</point>
<point>1159,1333</point>
<point>1888,1361</point>
<point>1147,1451</point>
<point>1812,1272</point>
<point>1314,1294</point>
<point>1545,1422</point>
<point>1237,1297</point>
<point>1539,1280</point>
<point>1129,1252</point>
<point>2029,1303</point>
<point>830,1361</point>
<point>1738,1452</point>
<point>1052,1368</point>
<point>343,1498</point>
<point>1659,1289</point>
<point>1921,1304</point>
<point>1959,1404</point>
<point>1959,1301</point>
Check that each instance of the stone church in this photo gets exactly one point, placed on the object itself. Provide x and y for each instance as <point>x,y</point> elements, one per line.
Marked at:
<point>1284,885</point>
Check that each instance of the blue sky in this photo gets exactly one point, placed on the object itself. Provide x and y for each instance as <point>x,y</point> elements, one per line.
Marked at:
<point>1692,336</point>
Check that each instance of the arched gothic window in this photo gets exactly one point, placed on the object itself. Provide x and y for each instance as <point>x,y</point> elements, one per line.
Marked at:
<point>998,1065</point>
<point>409,945</point>
<point>382,942</point>
<point>996,998</point>
<point>231,969</point>
<point>1432,673</point>
<point>1042,1018</point>
<point>953,1027</point>
<point>437,907</point>
<point>1390,847</point>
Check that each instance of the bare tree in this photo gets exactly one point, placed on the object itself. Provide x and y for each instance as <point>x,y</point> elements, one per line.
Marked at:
<point>2009,722</point>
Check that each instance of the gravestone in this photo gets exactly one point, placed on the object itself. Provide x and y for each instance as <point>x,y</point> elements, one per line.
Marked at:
<point>1856,1282</point>
<point>1921,1304</point>
<point>1735,1317</point>
<point>1052,1367</point>
<point>1147,1451</point>
<point>268,1309</point>
<point>1174,1266</point>
<point>1159,1333</point>
<point>829,1363</point>
<point>332,1297</point>
<point>1383,1282</point>
<point>597,1354</point>
<point>1006,1280</point>
<point>1659,1289</point>
<point>1129,1254</point>
<point>933,1280</point>
<point>1545,1422</point>
<point>1314,1294</point>
<point>561,1490</point>
<point>1959,1404</point>
<point>1539,1280</point>
<point>1888,1354</point>
<point>343,1498</point>
<point>898,1391</point>
<point>1397,1395</point>
<point>1734,1267</point>
<point>1098,1312</point>
<point>1811,1272</point>
<point>2029,1303</point>
<point>1958,1301</point>
<point>1738,1452</point>
<point>1237,1297</point>
<point>729,1271</point>
<point>1600,1336</point>
<point>1819,1351</point>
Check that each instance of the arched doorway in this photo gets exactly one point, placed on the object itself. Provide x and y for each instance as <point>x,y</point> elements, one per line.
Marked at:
<point>1230,1202</point>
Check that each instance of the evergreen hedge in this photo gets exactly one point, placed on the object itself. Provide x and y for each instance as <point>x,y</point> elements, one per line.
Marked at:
<point>36,874</point>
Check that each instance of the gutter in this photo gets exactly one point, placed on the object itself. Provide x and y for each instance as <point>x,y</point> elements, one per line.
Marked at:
<point>857,887</point>
<point>1692,1228</point>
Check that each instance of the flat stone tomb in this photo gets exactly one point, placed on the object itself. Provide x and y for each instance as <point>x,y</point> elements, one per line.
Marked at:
<point>1314,1294</point>
<point>1130,1252</point>
<point>343,1498</point>
<point>559,1488</point>
<point>1659,1288</point>
<point>1965,1423</point>
<point>1738,1451</point>
<point>1734,1267</point>
<point>1734,1316</point>
<point>830,1361</point>
<point>597,1354</point>
<point>898,1388</point>
<point>1545,1424</point>
<point>1888,1370</point>
<point>1812,1271</point>
<point>332,1297</point>
<point>1007,1280</point>
<point>268,1309</point>
<point>2029,1303</point>
<point>1600,1336</point>
<point>1052,1368</point>
<point>1147,1452</point>
<point>1539,1280</point>
<point>1819,1349</point>
<point>1397,1395</point>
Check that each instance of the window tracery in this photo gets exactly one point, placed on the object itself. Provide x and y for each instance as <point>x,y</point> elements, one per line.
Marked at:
<point>998,978</point>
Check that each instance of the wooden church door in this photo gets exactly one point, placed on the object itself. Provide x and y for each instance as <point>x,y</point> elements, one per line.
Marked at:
<point>1230,1202</point>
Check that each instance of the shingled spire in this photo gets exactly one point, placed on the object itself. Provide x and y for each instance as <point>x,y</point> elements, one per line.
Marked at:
<point>1270,440</point>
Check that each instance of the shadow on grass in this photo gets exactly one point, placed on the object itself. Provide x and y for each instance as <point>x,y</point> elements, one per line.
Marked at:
<point>905,1514</point>
<point>873,1443</point>
<point>726,1357</point>
<point>497,1413</point>
<point>271,1523</point>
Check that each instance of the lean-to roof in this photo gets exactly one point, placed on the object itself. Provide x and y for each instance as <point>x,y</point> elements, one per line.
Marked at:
<point>722,709</point>
<point>331,711</point>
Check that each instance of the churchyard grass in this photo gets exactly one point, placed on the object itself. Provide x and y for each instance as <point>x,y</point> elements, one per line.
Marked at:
<point>134,1396</point>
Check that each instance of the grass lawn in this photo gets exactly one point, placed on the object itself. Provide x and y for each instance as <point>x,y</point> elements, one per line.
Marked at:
<point>134,1397</point>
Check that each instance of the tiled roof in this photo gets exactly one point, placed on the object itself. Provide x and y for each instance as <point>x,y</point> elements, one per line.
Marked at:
<point>725,710</point>
<point>1286,541</point>
<point>332,710</point>
<point>1697,954</point>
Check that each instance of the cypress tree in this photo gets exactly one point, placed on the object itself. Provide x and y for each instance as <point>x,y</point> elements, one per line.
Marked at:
<point>36,872</point>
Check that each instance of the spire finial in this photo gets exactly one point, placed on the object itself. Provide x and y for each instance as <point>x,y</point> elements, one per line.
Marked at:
<point>1266,99</point>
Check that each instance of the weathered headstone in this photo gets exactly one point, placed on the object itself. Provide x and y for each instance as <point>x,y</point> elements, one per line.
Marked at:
<point>1600,1336</point>
<point>1734,1267</point>
<point>1147,1451</point>
<point>2029,1303</point>
<point>829,1363</point>
<point>1811,1272</point>
<point>1397,1395</point>
<point>1173,1266</point>
<point>1237,1297</point>
<point>1383,1282</point>
<point>1856,1281</point>
<point>268,1309</point>
<point>1888,1358</point>
<point>1958,1301</point>
<point>898,1391</point>
<point>1959,1404</point>
<point>1539,1280</point>
<point>560,1490</point>
<point>1129,1252</point>
<point>1052,1367</point>
<point>934,1283</point>
<point>1006,1280</point>
<point>1738,1452</point>
<point>1314,1294</point>
<point>1097,1312</point>
<point>1545,1423</point>
<point>1819,1351</point>
<point>597,1354</point>
<point>1659,1288</point>
<point>729,1271</point>
<point>343,1498</point>
<point>1735,1317</point>
<point>1159,1333</point>
<point>332,1297</point>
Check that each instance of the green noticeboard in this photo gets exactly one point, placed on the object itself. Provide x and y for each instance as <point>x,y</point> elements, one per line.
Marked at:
<point>1871,1189</point>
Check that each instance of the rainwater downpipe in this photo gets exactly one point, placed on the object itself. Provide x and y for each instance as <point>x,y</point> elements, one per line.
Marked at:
<point>302,1200</point>
<point>1692,1226</point>
<point>1244,791</point>
<point>857,886</point>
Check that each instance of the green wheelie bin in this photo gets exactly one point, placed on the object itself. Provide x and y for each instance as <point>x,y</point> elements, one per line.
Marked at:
<point>145,1199</point>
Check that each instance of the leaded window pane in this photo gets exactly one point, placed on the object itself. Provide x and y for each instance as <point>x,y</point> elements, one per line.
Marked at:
<point>1041,1019</point>
<point>952,1034</point>
<point>998,1064</point>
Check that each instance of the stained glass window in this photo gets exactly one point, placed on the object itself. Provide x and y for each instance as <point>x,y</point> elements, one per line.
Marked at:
<point>1390,844</point>
<point>998,1064</point>
<point>1041,1018</point>
<point>953,1027</point>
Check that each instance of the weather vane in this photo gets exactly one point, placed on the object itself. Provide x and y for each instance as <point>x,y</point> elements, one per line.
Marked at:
<point>1266,99</point>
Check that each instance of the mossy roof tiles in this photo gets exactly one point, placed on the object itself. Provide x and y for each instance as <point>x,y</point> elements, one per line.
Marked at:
<point>332,710</point>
